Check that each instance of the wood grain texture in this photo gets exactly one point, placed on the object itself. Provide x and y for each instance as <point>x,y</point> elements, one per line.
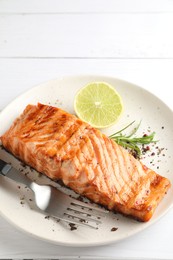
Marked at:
<point>89,6</point>
<point>18,75</point>
<point>90,35</point>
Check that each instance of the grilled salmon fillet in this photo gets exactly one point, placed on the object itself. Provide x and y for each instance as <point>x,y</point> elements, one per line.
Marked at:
<point>65,148</point>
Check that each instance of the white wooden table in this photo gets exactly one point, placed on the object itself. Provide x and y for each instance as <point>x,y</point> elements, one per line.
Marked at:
<point>128,39</point>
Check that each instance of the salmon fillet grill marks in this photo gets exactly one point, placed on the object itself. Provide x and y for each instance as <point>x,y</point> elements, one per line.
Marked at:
<point>63,147</point>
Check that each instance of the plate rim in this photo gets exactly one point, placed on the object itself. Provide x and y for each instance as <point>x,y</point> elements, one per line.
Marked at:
<point>82,75</point>
<point>83,244</point>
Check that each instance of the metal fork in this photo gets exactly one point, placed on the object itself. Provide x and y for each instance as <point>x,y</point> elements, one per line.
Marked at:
<point>57,204</point>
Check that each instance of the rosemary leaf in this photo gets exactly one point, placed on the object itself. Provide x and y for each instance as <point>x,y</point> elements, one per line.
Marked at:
<point>132,143</point>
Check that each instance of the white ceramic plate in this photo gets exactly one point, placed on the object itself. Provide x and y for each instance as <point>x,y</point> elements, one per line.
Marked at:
<point>139,104</point>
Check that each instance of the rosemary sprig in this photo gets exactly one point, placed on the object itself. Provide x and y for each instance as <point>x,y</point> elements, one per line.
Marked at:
<point>130,142</point>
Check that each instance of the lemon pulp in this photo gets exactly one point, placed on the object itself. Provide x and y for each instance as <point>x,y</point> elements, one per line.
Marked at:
<point>98,104</point>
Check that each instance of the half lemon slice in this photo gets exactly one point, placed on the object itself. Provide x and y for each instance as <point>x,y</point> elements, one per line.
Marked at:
<point>98,104</point>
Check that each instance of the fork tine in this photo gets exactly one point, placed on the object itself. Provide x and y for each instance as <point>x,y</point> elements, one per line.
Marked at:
<point>80,220</point>
<point>77,214</point>
<point>77,221</point>
<point>87,210</point>
<point>89,206</point>
<point>93,210</point>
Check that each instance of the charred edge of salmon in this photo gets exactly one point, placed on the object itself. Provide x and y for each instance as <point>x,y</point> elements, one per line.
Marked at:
<point>146,210</point>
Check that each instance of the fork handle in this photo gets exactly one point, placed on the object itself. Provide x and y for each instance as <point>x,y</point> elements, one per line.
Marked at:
<point>14,174</point>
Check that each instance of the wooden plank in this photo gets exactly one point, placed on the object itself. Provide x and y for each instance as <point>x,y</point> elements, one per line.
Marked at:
<point>101,35</point>
<point>89,6</point>
<point>19,75</point>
